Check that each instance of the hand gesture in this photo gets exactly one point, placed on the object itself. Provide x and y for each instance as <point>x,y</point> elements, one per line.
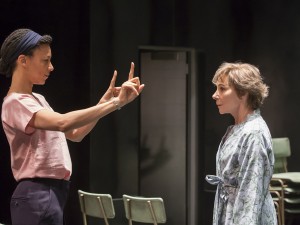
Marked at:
<point>112,91</point>
<point>130,89</point>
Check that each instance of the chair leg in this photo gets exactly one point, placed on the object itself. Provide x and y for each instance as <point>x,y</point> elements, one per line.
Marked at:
<point>84,219</point>
<point>129,211</point>
<point>103,211</point>
<point>83,210</point>
<point>281,198</point>
<point>152,212</point>
<point>278,212</point>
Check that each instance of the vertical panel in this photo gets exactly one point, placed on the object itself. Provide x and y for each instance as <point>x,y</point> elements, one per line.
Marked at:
<point>163,153</point>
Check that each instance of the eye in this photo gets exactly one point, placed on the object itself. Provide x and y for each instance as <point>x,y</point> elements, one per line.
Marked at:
<point>46,61</point>
<point>222,88</point>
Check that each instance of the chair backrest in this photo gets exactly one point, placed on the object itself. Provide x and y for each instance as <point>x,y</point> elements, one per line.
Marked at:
<point>96,205</point>
<point>144,210</point>
<point>282,150</point>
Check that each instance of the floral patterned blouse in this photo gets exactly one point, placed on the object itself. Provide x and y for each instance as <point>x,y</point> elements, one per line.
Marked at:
<point>244,162</point>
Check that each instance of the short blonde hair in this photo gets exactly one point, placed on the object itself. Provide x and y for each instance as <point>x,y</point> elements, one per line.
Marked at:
<point>245,78</point>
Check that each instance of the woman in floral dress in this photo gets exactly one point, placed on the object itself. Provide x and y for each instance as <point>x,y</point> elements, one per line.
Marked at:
<point>245,159</point>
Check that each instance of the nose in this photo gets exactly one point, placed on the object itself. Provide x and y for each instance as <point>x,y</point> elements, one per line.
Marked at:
<point>215,96</point>
<point>51,68</point>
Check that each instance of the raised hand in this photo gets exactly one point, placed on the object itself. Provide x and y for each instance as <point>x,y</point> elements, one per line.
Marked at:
<point>112,91</point>
<point>131,88</point>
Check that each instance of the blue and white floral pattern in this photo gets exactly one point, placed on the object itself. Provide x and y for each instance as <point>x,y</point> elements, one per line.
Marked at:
<point>245,163</point>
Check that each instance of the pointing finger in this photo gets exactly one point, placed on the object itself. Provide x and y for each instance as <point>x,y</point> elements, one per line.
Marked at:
<point>113,80</point>
<point>131,72</point>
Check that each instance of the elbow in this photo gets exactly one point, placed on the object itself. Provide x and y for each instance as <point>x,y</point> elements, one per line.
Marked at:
<point>74,136</point>
<point>78,139</point>
<point>63,126</point>
<point>72,133</point>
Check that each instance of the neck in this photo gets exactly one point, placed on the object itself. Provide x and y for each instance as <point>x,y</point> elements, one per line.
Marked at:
<point>242,115</point>
<point>19,85</point>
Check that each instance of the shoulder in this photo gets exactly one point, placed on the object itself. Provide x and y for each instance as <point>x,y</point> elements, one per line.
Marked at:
<point>16,98</point>
<point>38,95</point>
<point>256,124</point>
<point>16,102</point>
<point>257,131</point>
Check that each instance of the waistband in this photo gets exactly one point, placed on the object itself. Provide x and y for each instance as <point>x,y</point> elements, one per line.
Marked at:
<point>48,181</point>
<point>222,189</point>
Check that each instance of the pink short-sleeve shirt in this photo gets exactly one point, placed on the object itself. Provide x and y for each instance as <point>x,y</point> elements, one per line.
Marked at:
<point>34,152</point>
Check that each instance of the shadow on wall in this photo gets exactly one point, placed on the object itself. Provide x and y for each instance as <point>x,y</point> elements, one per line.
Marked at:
<point>152,160</point>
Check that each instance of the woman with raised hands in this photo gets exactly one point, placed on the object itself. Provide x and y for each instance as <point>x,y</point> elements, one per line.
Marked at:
<point>40,158</point>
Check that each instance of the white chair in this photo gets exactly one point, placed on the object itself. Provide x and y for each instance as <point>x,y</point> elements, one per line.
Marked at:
<point>96,205</point>
<point>144,210</point>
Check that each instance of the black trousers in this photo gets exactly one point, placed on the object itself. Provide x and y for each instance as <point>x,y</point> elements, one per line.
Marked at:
<point>39,201</point>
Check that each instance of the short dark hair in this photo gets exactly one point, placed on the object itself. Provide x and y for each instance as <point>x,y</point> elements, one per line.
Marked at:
<point>10,45</point>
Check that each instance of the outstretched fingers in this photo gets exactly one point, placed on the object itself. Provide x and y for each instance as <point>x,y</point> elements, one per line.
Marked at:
<point>113,80</point>
<point>133,79</point>
<point>131,72</point>
<point>136,81</point>
<point>141,87</point>
<point>132,87</point>
<point>112,88</point>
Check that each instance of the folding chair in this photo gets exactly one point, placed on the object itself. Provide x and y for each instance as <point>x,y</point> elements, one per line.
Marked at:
<point>96,205</point>
<point>285,182</point>
<point>144,210</point>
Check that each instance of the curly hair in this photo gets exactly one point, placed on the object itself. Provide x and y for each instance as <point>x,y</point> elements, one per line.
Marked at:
<point>245,78</point>
<point>10,46</point>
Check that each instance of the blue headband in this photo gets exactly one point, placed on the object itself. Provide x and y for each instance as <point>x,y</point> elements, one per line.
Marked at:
<point>28,42</point>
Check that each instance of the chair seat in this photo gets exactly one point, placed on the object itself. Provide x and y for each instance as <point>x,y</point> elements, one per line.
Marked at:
<point>292,200</point>
<point>289,176</point>
<point>287,190</point>
<point>292,211</point>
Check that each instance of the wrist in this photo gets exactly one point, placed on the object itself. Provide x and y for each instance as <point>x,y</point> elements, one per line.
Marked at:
<point>116,103</point>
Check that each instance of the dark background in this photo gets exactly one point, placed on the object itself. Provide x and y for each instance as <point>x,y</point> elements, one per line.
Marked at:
<point>94,37</point>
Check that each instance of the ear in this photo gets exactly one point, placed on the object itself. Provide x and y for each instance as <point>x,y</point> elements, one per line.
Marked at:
<point>21,60</point>
<point>245,97</point>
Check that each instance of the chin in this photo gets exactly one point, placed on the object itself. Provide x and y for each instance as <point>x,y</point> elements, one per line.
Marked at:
<point>220,111</point>
<point>41,83</point>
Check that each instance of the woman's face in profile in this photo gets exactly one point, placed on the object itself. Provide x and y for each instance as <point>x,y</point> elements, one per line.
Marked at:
<point>39,65</point>
<point>226,97</point>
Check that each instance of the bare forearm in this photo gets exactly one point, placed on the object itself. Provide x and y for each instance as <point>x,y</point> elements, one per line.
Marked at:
<point>78,134</point>
<point>84,118</point>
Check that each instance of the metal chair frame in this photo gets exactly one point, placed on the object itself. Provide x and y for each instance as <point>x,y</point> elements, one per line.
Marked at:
<point>282,180</point>
<point>150,206</point>
<point>99,198</point>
